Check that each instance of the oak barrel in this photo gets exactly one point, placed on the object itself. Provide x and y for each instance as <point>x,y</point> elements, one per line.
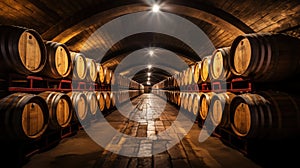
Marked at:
<point>80,105</point>
<point>92,71</point>
<point>79,66</point>
<point>197,69</point>
<point>220,112</point>
<point>219,66</point>
<point>102,74</point>
<point>265,115</point>
<point>108,75</point>
<point>205,72</point>
<point>21,50</point>
<point>92,102</point>
<point>265,57</point>
<point>58,63</point>
<point>101,100</point>
<point>107,100</point>
<point>60,109</point>
<point>196,104</point>
<point>23,117</point>
<point>205,100</point>
<point>190,102</point>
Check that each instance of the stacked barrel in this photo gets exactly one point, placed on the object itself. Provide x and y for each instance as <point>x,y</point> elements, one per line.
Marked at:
<point>261,59</point>
<point>30,114</point>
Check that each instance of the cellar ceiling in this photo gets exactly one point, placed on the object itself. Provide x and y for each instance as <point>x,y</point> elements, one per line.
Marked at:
<point>73,22</point>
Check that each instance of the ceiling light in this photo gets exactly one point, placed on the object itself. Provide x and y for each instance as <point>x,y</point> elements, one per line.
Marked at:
<point>151,52</point>
<point>149,66</point>
<point>149,74</point>
<point>148,83</point>
<point>148,78</point>
<point>155,8</point>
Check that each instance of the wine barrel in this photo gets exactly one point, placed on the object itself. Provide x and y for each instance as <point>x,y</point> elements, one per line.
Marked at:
<point>190,102</point>
<point>185,101</point>
<point>58,63</point>
<point>80,105</point>
<point>190,75</point>
<point>265,57</point>
<point>108,76</point>
<point>220,112</point>
<point>184,77</point>
<point>265,115</point>
<point>60,109</point>
<point>205,100</point>
<point>196,104</point>
<point>179,101</point>
<point>101,100</point>
<point>205,73</point>
<point>107,100</point>
<point>92,102</point>
<point>101,73</point>
<point>21,50</point>
<point>219,65</point>
<point>113,79</point>
<point>79,66</point>
<point>92,71</point>
<point>113,99</point>
<point>197,69</point>
<point>23,117</point>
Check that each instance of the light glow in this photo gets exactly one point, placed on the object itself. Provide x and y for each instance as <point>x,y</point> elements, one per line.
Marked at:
<point>149,66</point>
<point>149,74</point>
<point>155,8</point>
<point>151,52</point>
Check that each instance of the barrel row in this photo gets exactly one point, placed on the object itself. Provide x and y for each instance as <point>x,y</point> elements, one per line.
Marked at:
<point>23,51</point>
<point>26,116</point>
<point>258,57</point>
<point>261,115</point>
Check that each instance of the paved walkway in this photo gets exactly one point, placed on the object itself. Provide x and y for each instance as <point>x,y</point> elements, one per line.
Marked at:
<point>153,122</point>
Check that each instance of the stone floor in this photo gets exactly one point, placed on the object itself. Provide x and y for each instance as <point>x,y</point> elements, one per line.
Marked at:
<point>150,133</point>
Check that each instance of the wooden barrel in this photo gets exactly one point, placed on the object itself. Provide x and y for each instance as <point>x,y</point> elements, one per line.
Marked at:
<point>21,50</point>
<point>80,105</point>
<point>185,101</point>
<point>180,97</point>
<point>108,76</point>
<point>219,66</point>
<point>92,71</point>
<point>58,63</point>
<point>205,100</point>
<point>23,117</point>
<point>92,102</point>
<point>205,73</point>
<point>190,75</point>
<point>184,77</point>
<point>265,57</point>
<point>197,69</point>
<point>107,100</point>
<point>190,102</point>
<point>60,109</point>
<point>175,95</point>
<point>101,73</point>
<point>79,66</point>
<point>266,115</point>
<point>196,104</point>
<point>220,112</point>
<point>113,99</point>
<point>113,79</point>
<point>101,100</point>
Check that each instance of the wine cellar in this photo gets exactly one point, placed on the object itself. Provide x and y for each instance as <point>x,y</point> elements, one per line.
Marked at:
<point>145,83</point>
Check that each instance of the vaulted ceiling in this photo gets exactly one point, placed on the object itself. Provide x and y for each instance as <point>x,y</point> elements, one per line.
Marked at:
<point>75,23</point>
